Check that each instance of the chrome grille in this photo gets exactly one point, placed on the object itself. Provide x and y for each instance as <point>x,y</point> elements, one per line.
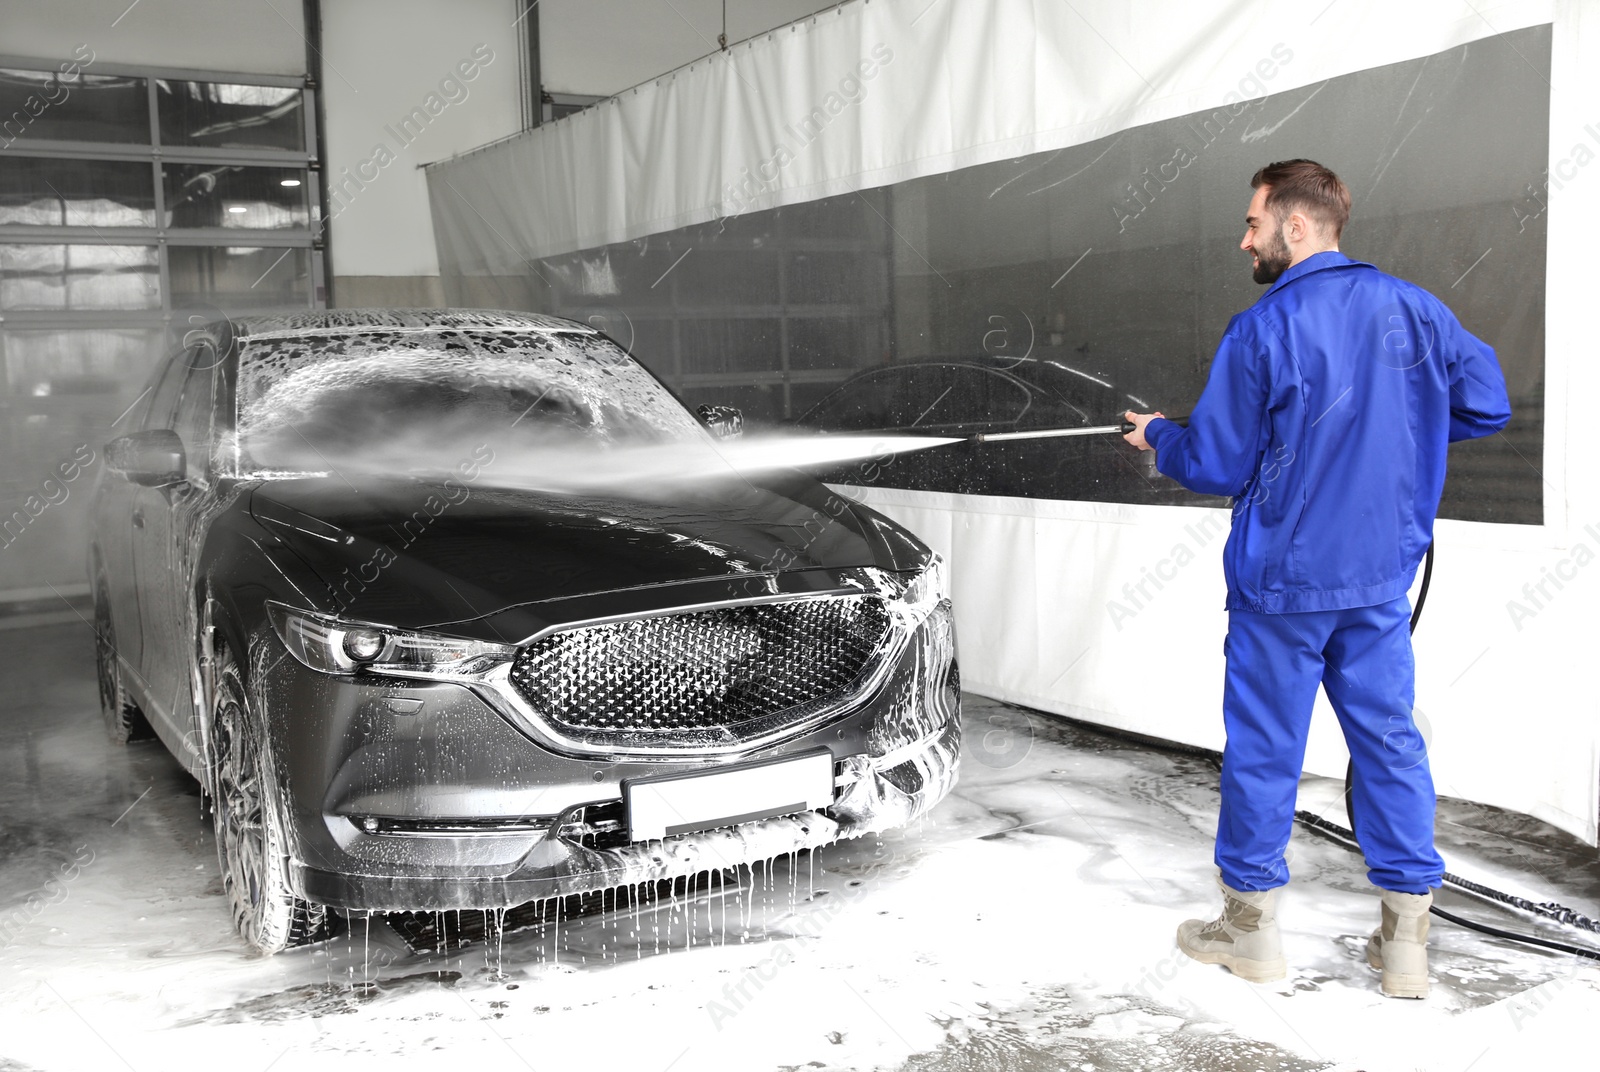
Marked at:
<point>700,671</point>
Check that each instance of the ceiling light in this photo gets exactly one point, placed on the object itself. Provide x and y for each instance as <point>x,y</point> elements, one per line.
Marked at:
<point>288,182</point>
<point>237,208</point>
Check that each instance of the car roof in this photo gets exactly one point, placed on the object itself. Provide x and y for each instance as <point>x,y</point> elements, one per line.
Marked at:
<point>1026,367</point>
<point>334,321</point>
<point>1039,374</point>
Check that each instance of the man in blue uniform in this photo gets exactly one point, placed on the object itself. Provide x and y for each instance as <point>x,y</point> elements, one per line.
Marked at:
<point>1326,416</point>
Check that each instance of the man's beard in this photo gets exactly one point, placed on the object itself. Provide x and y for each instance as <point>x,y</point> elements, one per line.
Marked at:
<point>1272,260</point>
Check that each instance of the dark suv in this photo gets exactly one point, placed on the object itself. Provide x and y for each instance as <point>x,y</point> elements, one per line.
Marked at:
<point>364,575</point>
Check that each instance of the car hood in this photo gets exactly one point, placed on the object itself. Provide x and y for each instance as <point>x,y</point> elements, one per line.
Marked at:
<point>416,552</point>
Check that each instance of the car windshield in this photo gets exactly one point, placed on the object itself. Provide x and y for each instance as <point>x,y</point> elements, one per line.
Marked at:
<point>308,401</point>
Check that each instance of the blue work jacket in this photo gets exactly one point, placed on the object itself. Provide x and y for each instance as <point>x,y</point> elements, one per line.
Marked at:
<point>1326,416</point>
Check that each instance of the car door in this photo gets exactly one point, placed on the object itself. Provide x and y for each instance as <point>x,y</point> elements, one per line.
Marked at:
<point>161,563</point>
<point>119,520</point>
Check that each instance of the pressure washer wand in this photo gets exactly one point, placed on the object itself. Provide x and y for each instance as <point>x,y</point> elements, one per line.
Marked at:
<point>1054,433</point>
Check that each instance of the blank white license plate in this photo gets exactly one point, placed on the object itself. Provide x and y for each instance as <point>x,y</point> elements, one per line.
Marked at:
<point>704,800</point>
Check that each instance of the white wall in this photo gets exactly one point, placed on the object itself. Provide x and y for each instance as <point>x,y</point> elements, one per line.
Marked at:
<point>602,47</point>
<point>383,59</point>
<point>252,38</point>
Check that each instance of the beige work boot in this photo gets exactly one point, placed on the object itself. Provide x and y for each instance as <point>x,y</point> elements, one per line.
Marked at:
<point>1244,939</point>
<point>1400,944</point>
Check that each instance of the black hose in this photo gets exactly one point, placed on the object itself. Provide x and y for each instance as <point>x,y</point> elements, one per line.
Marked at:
<point>1422,595</point>
<point>1512,936</point>
<point>1547,909</point>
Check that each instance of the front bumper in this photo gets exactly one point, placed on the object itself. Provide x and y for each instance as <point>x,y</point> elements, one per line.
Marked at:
<point>404,795</point>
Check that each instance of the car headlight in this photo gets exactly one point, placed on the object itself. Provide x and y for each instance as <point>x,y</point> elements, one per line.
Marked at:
<point>339,646</point>
<point>929,588</point>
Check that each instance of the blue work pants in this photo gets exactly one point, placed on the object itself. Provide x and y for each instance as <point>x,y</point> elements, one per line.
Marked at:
<point>1362,658</point>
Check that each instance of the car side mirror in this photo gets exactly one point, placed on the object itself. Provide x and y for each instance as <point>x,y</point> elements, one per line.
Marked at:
<point>724,422</point>
<point>151,459</point>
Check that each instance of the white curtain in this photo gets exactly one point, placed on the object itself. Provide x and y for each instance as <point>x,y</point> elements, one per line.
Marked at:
<point>879,91</point>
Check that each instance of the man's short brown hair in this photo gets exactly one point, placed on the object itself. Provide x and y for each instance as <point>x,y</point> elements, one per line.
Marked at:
<point>1308,186</point>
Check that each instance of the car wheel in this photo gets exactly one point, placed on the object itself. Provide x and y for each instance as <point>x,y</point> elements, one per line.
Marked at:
<point>124,721</point>
<point>251,845</point>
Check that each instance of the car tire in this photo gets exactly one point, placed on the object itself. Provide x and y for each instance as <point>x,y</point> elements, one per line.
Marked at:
<point>252,848</point>
<point>124,721</point>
